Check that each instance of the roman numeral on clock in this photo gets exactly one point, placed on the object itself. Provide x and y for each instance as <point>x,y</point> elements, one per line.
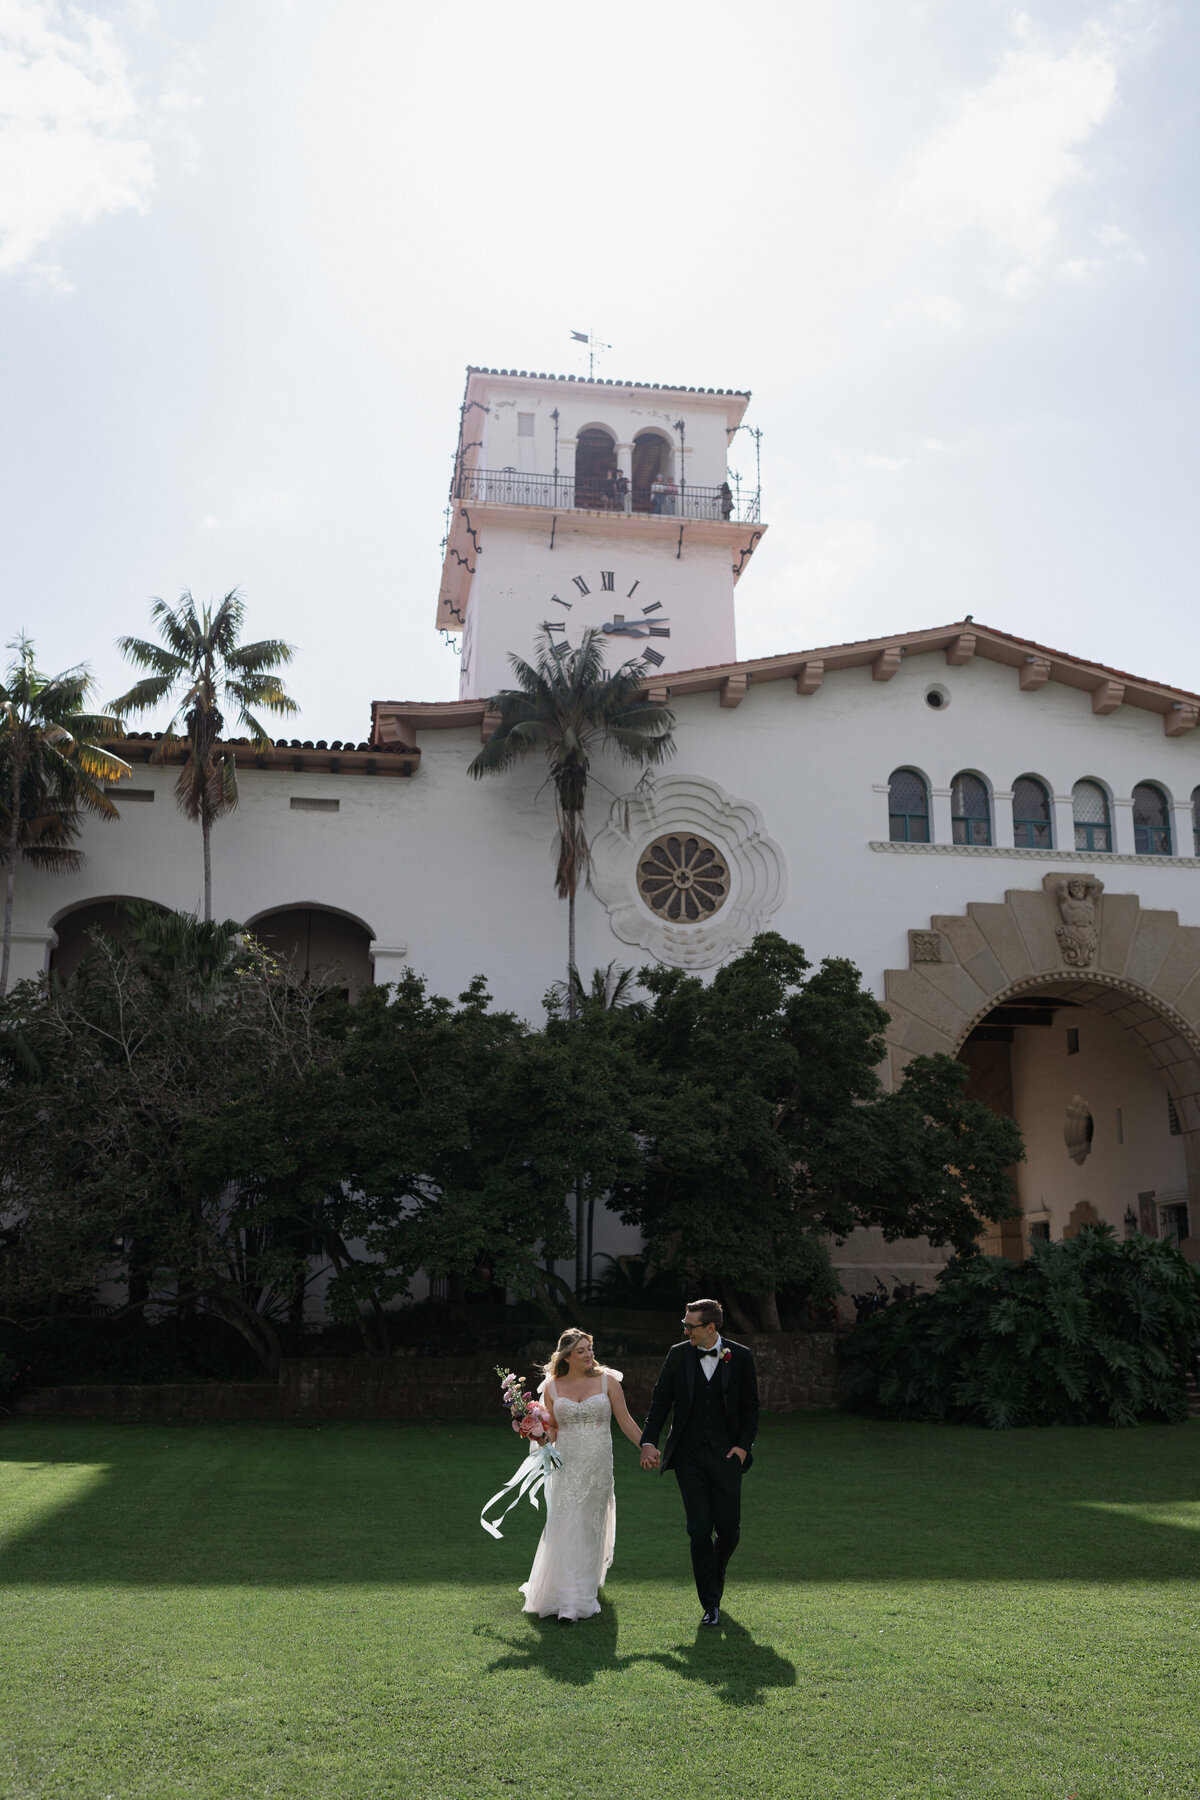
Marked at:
<point>581,584</point>
<point>654,606</point>
<point>607,578</point>
<point>655,657</point>
<point>555,601</point>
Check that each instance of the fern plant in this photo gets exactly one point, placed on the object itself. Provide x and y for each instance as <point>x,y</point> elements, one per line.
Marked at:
<point>1090,1331</point>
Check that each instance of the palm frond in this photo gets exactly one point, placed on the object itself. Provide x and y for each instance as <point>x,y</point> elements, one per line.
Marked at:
<point>253,659</point>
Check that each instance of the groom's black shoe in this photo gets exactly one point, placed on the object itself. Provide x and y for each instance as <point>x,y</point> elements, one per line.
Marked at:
<point>712,1616</point>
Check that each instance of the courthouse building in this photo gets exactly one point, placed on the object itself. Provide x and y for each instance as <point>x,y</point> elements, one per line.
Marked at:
<point>1002,836</point>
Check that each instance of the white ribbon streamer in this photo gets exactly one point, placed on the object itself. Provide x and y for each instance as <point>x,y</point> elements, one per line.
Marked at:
<point>530,1479</point>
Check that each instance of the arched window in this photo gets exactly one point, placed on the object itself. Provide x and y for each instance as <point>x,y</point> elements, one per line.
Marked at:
<point>970,812</point>
<point>651,464</point>
<point>595,469</point>
<point>1089,804</point>
<point>1031,815</point>
<point>908,808</point>
<point>1196,819</point>
<point>1151,821</point>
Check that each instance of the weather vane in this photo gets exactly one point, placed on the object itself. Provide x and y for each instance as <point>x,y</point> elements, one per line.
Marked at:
<point>595,348</point>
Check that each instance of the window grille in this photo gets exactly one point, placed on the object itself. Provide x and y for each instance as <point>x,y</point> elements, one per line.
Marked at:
<point>127,793</point>
<point>1031,815</point>
<point>307,803</point>
<point>524,424</point>
<point>970,811</point>
<point>1089,804</point>
<point>1151,821</point>
<point>908,808</point>
<point>1173,1125</point>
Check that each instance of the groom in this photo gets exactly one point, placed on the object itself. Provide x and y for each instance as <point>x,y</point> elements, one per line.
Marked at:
<point>712,1387</point>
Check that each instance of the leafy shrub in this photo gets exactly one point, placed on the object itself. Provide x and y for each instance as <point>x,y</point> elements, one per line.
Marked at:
<point>1090,1331</point>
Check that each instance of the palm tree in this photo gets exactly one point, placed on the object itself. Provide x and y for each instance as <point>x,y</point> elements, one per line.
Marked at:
<point>53,767</point>
<point>566,706</point>
<point>202,667</point>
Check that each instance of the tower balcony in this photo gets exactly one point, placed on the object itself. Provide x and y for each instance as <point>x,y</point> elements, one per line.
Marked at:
<point>569,493</point>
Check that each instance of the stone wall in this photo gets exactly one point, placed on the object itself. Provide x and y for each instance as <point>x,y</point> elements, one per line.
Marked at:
<point>795,1371</point>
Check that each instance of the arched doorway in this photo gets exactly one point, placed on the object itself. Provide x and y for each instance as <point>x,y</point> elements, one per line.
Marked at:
<point>73,930</point>
<point>595,469</point>
<point>1079,1013</point>
<point>317,941</point>
<point>651,459</point>
<point>1101,1128</point>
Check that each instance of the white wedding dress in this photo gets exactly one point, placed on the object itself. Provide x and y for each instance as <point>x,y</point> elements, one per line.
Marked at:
<point>576,1548</point>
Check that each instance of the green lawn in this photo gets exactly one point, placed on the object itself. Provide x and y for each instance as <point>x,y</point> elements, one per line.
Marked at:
<point>914,1611</point>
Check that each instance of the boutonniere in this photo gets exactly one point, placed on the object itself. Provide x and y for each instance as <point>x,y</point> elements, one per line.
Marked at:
<point>727,1356</point>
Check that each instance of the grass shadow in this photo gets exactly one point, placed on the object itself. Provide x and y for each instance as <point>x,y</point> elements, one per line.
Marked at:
<point>726,1659</point>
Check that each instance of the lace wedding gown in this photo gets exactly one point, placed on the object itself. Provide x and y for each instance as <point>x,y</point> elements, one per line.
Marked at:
<point>576,1548</point>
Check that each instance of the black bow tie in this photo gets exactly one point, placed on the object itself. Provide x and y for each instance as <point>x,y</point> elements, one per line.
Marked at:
<point>713,1352</point>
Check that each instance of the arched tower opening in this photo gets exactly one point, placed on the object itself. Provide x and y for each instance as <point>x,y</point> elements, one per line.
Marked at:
<point>318,942</point>
<point>75,927</point>
<point>595,468</point>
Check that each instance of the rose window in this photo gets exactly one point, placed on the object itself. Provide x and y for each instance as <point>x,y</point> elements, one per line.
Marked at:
<point>683,878</point>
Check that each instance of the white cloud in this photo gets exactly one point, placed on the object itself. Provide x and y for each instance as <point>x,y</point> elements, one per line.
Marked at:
<point>1009,149</point>
<point>69,145</point>
<point>817,566</point>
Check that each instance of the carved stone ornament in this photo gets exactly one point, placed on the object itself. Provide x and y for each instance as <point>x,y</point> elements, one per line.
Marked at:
<point>1077,937</point>
<point>926,946</point>
<point>685,871</point>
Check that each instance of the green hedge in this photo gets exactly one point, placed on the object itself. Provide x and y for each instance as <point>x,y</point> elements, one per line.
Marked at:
<point>1090,1331</point>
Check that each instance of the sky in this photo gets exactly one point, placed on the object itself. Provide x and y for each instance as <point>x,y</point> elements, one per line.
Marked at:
<point>247,251</point>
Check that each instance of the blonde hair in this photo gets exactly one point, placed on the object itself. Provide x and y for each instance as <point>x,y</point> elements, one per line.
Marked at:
<point>560,1356</point>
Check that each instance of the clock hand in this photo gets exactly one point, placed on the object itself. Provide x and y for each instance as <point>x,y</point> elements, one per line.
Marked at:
<point>636,628</point>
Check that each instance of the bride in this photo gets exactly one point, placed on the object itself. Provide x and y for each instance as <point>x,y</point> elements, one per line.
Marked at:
<point>576,1548</point>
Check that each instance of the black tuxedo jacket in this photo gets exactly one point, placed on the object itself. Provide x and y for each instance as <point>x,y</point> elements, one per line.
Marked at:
<point>675,1387</point>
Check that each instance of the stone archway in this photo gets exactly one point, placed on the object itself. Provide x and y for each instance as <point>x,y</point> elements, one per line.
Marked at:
<point>1071,941</point>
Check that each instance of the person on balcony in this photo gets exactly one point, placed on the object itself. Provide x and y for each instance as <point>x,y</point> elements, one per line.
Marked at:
<point>658,494</point>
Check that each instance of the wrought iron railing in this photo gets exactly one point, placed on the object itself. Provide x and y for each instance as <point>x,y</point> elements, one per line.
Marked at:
<point>513,487</point>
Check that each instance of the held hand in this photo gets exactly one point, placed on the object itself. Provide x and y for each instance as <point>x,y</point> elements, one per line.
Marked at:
<point>650,1458</point>
<point>739,1453</point>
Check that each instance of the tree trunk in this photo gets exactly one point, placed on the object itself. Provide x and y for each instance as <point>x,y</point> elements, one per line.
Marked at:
<point>581,1269</point>
<point>206,831</point>
<point>741,1319</point>
<point>14,838</point>
<point>768,1311</point>
<point>254,1327</point>
<point>591,1228</point>
<point>571,975</point>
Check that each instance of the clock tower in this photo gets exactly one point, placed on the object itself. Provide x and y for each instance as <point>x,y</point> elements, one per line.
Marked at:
<point>579,502</point>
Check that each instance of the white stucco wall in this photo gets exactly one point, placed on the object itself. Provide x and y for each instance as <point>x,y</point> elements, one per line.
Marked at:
<point>519,574</point>
<point>455,875</point>
<point>621,410</point>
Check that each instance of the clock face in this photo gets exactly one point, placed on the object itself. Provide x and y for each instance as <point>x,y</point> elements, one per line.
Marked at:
<point>626,614</point>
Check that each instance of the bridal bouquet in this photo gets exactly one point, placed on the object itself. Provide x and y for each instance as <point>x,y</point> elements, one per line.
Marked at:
<point>529,1420</point>
<point>529,1417</point>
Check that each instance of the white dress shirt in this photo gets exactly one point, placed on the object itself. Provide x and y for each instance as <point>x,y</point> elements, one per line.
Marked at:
<point>709,1363</point>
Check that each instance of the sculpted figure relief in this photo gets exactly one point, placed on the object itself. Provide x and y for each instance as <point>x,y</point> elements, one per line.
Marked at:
<point>1077,938</point>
